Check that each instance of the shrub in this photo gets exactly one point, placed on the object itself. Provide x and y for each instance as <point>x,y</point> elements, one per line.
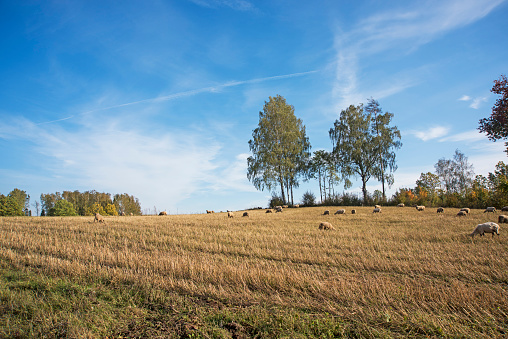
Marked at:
<point>275,200</point>
<point>308,199</point>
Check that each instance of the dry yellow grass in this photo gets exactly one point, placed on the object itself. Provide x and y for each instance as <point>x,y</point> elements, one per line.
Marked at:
<point>398,273</point>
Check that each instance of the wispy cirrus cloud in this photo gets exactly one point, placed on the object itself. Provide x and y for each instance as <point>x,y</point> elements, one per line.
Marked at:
<point>468,136</point>
<point>173,96</point>
<point>431,133</point>
<point>239,5</point>
<point>403,30</point>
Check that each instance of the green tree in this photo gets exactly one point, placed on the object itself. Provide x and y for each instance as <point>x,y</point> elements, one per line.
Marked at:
<point>48,203</point>
<point>127,204</point>
<point>496,126</point>
<point>357,146</point>
<point>64,208</point>
<point>387,140</point>
<point>22,198</point>
<point>280,149</point>
<point>430,183</point>
<point>9,206</point>
<point>456,175</point>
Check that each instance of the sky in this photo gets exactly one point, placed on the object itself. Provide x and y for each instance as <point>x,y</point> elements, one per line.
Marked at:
<point>158,99</point>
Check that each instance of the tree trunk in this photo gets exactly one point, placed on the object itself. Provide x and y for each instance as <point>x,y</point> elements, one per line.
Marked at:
<point>364,190</point>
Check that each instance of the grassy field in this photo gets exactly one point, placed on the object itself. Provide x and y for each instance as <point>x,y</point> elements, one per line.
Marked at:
<point>401,273</point>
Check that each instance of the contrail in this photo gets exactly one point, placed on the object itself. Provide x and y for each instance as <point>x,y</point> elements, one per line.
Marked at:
<point>188,93</point>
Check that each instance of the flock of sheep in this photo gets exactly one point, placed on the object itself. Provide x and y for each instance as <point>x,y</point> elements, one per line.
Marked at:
<point>480,229</point>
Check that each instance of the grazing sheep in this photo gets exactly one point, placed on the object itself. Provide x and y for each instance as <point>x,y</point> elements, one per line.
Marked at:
<point>440,210</point>
<point>132,214</point>
<point>461,214</point>
<point>327,212</point>
<point>400,205</point>
<point>502,219</point>
<point>296,206</point>
<point>245,214</point>
<point>284,206</point>
<point>278,209</point>
<point>377,206</point>
<point>230,214</point>
<point>488,227</point>
<point>490,209</point>
<point>465,209</point>
<point>209,212</point>
<point>163,213</point>
<point>98,218</point>
<point>326,226</point>
<point>420,208</point>
<point>377,210</point>
<point>353,211</point>
<point>269,211</point>
<point>504,209</point>
<point>122,214</point>
<point>340,212</point>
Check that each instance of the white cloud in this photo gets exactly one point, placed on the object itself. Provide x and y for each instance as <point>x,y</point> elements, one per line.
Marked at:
<point>431,133</point>
<point>160,168</point>
<point>468,136</point>
<point>477,102</point>
<point>398,29</point>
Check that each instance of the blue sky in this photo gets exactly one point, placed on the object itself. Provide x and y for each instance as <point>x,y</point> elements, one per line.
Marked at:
<point>158,99</point>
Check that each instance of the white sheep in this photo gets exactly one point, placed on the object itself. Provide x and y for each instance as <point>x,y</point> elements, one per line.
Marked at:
<point>340,212</point>
<point>504,209</point>
<point>490,209</point>
<point>98,218</point>
<point>465,209</point>
<point>502,219</point>
<point>326,226</point>
<point>400,205</point>
<point>230,214</point>
<point>278,209</point>
<point>420,208</point>
<point>377,206</point>
<point>488,227</point>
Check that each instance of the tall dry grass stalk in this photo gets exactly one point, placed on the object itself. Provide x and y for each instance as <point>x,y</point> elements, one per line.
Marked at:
<point>395,270</point>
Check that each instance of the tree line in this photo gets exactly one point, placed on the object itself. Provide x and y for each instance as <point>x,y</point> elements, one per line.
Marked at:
<point>453,184</point>
<point>69,203</point>
<point>364,145</point>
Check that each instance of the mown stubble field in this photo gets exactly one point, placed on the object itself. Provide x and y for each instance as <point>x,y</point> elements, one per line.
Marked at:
<point>402,273</point>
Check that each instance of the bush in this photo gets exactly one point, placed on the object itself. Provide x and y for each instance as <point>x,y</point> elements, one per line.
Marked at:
<point>275,200</point>
<point>308,199</point>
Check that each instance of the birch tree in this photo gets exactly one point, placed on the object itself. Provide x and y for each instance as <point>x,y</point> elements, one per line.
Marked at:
<point>280,149</point>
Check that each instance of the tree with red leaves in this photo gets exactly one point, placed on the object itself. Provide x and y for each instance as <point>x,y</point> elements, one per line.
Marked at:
<point>496,126</point>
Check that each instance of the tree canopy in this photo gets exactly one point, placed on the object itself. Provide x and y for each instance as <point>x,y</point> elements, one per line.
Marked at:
<point>280,149</point>
<point>496,126</point>
<point>363,144</point>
